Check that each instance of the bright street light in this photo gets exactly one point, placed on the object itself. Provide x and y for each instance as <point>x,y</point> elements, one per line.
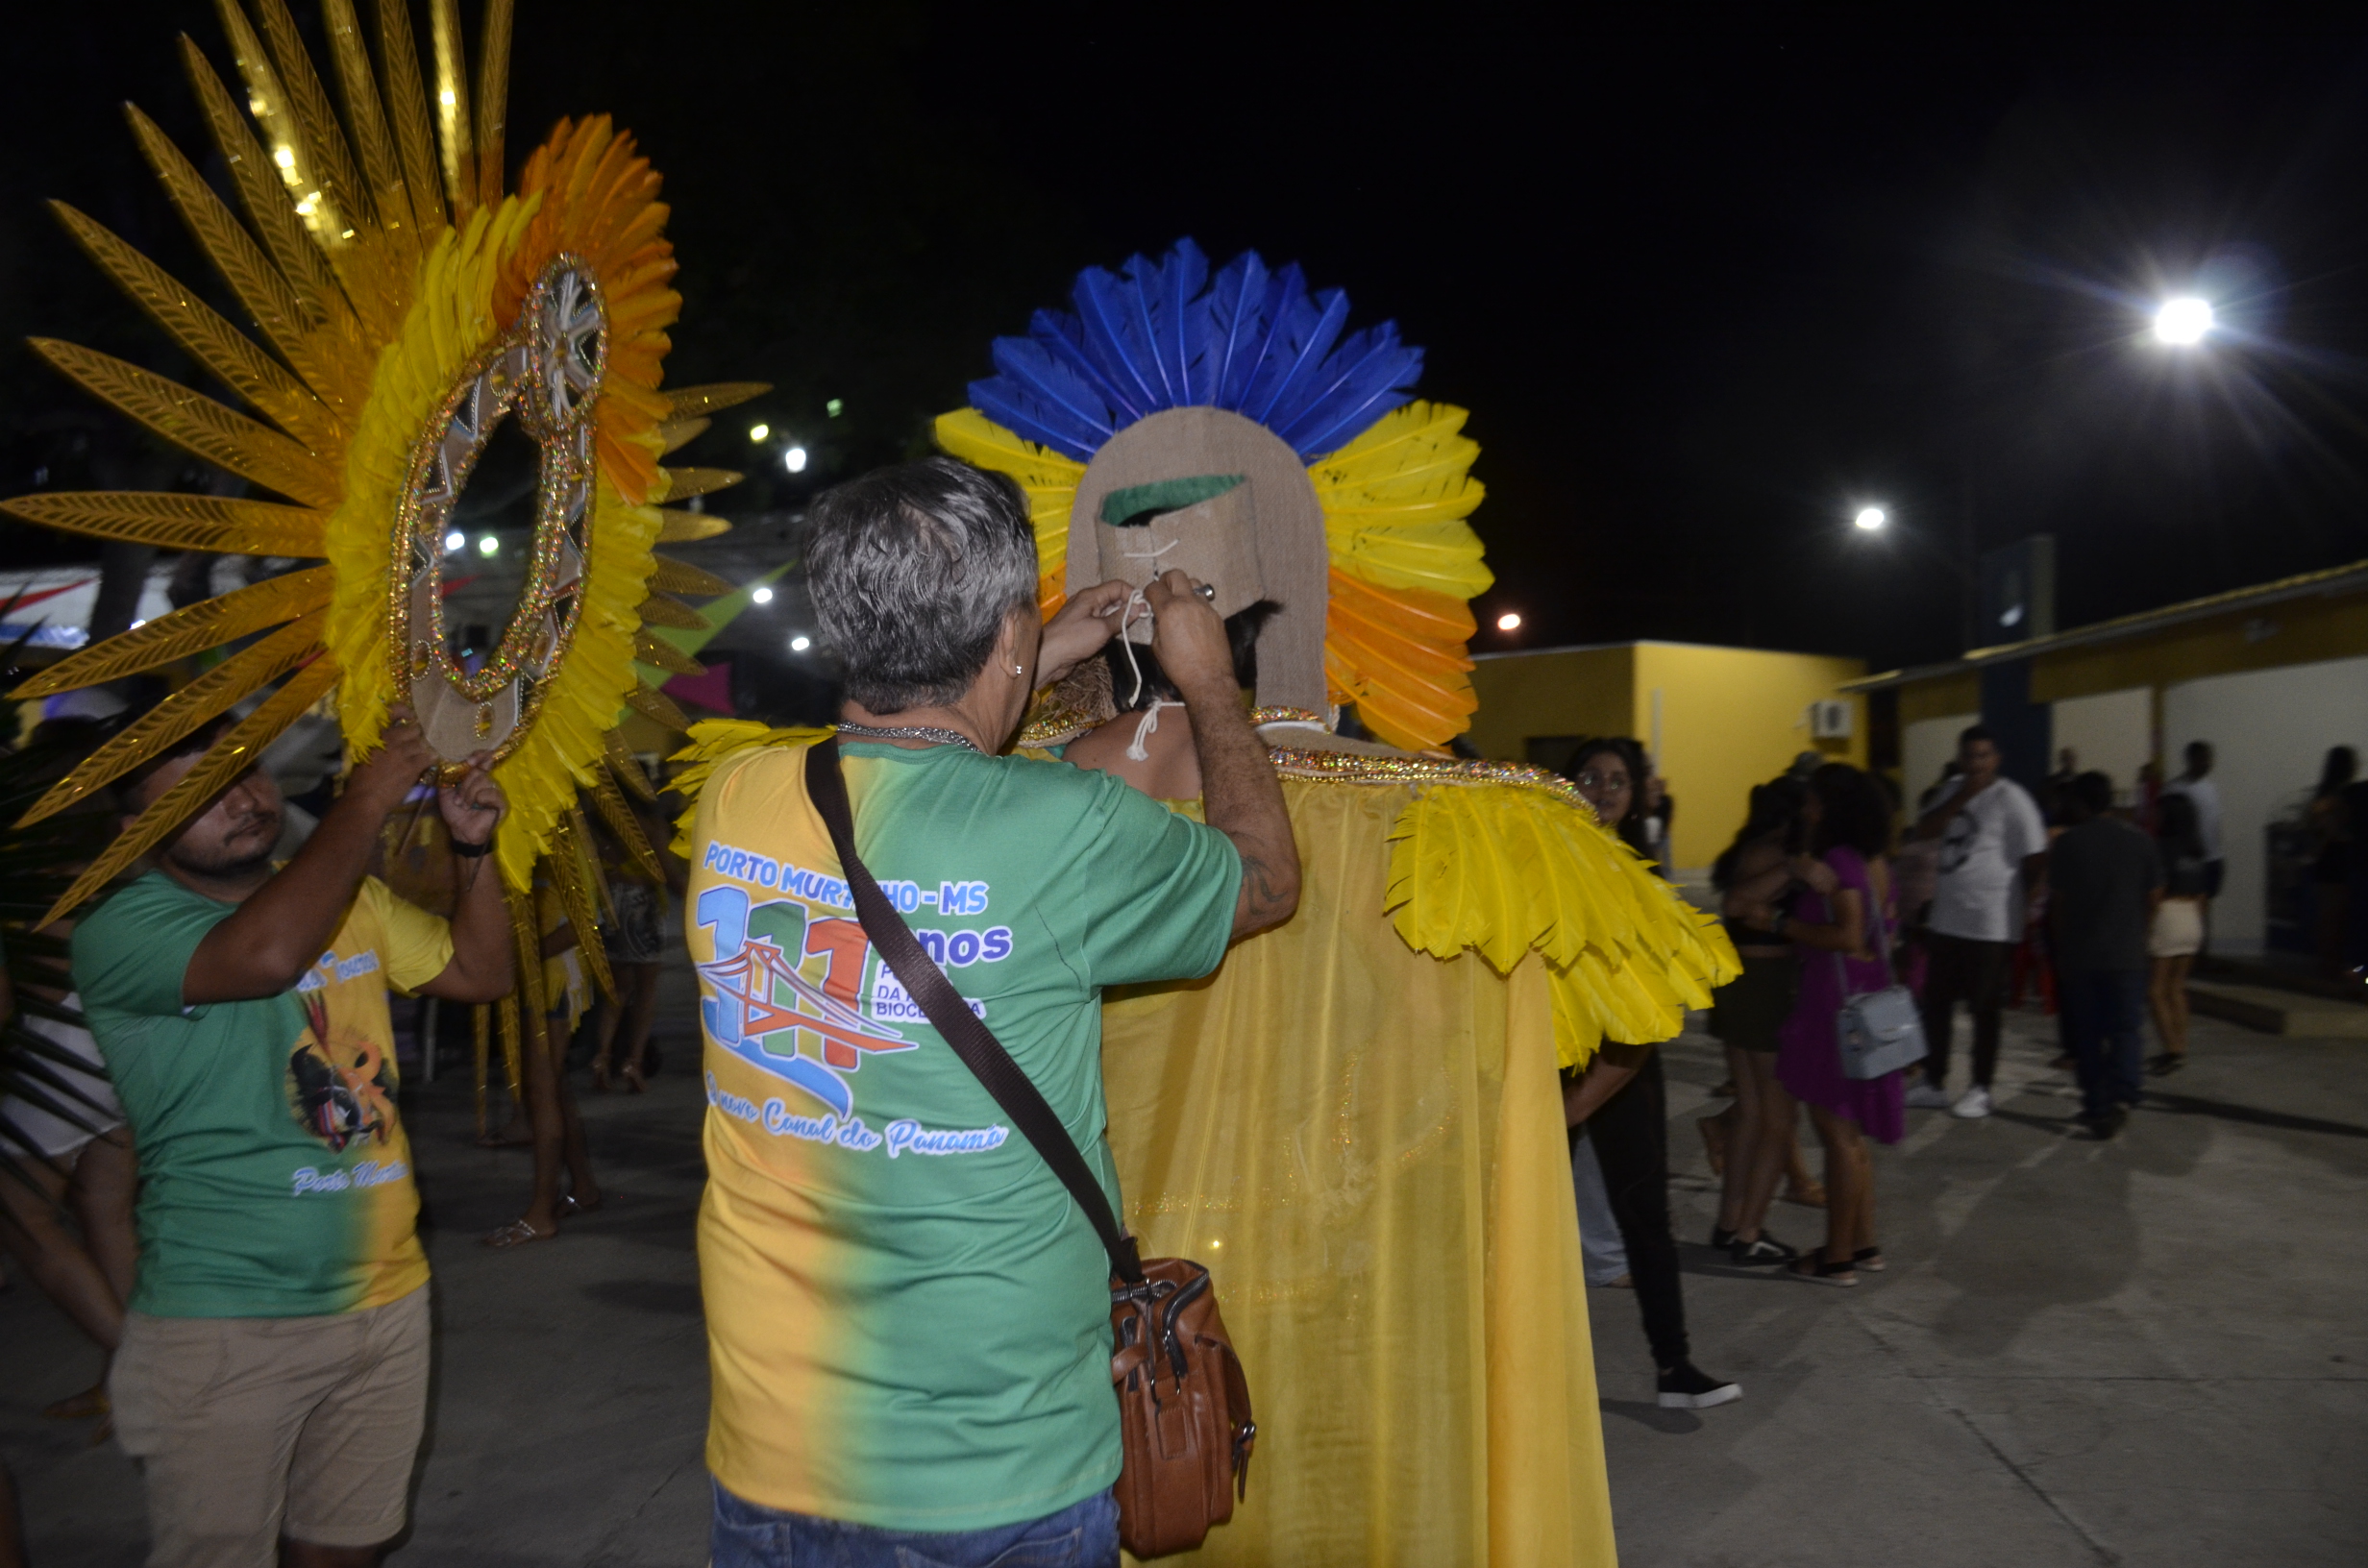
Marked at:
<point>1871,518</point>
<point>762,596</point>
<point>455,541</point>
<point>2184,319</point>
<point>801,643</point>
<point>757,432</point>
<point>794,459</point>
<point>1509,622</point>
<point>489,546</point>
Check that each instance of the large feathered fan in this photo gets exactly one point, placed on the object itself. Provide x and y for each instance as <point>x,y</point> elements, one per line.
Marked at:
<point>403,307</point>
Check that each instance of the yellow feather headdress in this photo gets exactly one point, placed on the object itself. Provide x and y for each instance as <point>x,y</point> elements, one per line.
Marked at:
<point>402,306</point>
<point>1388,475</point>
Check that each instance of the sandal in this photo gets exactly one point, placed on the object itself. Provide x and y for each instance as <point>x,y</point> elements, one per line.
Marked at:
<point>518,1232</point>
<point>1869,1258</point>
<point>1811,1268</point>
<point>633,1084</point>
<point>570,1205</point>
<point>599,1075</point>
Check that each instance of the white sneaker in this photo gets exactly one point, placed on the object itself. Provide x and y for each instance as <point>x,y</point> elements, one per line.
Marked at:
<point>1973,1104</point>
<point>1928,1096</point>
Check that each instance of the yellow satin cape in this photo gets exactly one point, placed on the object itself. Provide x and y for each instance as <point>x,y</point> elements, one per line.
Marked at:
<point>1356,1125</point>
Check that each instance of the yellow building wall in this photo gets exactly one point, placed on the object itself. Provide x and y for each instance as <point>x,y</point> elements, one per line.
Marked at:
<point>1732,718</point>
<point>2299,631</point>
<point>1940,699</point>
<point>1571,691</point>
<point>1729,718</point>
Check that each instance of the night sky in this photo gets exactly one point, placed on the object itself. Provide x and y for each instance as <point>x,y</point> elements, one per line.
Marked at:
<point>1705,290</point>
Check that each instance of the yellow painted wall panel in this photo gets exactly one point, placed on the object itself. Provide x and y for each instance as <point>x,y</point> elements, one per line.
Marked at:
<point>1941,699</point>
<point>1732,718</point>
<point>2299,631</point>
<point>1575,691</point>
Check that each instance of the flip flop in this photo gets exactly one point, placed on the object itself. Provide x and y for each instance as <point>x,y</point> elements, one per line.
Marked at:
<point>517,1234</point>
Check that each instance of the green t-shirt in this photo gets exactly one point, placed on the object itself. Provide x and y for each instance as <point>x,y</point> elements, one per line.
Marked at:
<point>908,1318</point>
<point>275,1175</point>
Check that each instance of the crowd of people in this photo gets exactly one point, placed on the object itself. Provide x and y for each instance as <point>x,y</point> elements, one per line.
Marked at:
<point>1832,892</point>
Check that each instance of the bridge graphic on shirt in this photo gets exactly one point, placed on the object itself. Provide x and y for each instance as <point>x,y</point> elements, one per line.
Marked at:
<point>766,1008</point>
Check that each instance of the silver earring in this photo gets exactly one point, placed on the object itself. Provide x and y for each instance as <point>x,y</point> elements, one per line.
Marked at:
<point>1019,668</point>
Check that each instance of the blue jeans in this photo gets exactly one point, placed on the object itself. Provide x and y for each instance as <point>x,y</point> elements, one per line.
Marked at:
<point>2103,1008</point>
<point>748,1535</point>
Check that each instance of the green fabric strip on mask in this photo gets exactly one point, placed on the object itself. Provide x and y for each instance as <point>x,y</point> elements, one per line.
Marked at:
<point>1137,503</point>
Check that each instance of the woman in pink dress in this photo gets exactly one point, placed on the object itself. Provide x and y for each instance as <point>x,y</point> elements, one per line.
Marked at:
<point>1845,951</point>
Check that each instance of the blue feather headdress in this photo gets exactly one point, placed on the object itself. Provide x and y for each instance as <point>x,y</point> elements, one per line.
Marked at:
<point>1164,334</point>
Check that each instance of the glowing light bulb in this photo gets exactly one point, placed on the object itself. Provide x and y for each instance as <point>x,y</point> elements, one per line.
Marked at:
<point>284,157</point>
<point>801,643</point>
<point>447,97</point>
<point>834,407</point>
<point>2184,319</point>
<point>757,432</point>
<point>1509,622</point>
<point>794,459</point>
<point>1871,518</point>
<point>488,544</point>
<point>762,596</point>
<point>455,540</point>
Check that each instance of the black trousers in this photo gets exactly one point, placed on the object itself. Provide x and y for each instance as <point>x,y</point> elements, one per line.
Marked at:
<point>1974,972</point>
<point>1630,1134</point>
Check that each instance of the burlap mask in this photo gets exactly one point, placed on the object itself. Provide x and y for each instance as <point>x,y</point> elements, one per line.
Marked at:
<point>1260,538</point>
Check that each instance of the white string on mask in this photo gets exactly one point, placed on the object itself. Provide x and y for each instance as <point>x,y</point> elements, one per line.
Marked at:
<point>1148,726</point>
<point>1126,618</point>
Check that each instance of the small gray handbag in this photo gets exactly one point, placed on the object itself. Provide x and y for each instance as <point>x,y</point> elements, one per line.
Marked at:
<point>1880,1030</point>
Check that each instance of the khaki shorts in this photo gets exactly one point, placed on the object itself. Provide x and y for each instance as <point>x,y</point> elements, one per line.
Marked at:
<point>248,1429</point>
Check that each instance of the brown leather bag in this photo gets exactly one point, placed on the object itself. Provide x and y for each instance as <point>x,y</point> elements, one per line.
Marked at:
<point>1184,1411</point>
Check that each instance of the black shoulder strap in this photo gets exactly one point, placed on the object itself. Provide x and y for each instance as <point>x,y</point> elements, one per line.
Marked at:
<point>972,1040</point>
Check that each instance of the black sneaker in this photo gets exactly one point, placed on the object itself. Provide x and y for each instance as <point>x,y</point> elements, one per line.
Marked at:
<point>1721,1240</point>
<point>1765,1249</point>
<point>1685,1386</point>
<point>2103,1127</point>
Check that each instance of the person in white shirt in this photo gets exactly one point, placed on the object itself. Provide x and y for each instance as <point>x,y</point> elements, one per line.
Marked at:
<point>1993,862</point>
<point>2197,786</point>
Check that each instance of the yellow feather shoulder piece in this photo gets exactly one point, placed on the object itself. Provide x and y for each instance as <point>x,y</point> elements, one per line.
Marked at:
<point>712,740</point>
<point>1503,870</point>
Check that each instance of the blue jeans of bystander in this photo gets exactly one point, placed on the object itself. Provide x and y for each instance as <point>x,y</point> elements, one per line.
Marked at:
<point>749,1536</point>
<point>2103,1008</point>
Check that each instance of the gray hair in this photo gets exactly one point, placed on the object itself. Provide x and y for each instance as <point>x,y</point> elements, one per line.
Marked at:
<point>914,570</point>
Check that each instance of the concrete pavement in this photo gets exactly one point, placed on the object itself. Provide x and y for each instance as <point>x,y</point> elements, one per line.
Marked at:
<point>2150,1352</point>
<point>2153,1352</point>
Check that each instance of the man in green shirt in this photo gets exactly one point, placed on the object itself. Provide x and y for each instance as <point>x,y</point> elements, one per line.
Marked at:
<point>908,1315</point>
<point>273,1376</point>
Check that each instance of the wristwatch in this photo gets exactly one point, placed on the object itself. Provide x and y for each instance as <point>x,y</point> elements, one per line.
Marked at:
<point>473,851</point>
